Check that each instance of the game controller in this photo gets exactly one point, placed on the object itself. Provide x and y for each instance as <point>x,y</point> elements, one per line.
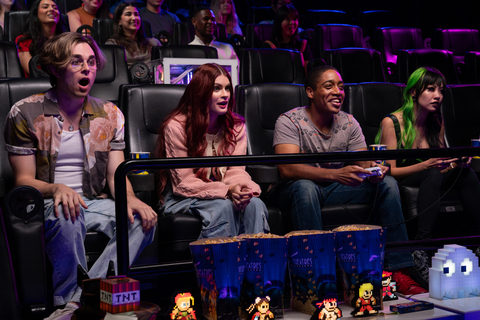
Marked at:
<point>374,172</point>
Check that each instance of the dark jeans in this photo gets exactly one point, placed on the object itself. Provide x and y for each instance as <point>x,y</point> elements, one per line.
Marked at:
<point>431,183</point>
<point>305,199</point>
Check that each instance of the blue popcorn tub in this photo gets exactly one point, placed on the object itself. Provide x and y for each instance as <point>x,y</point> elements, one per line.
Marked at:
<point>311,260</point>
<point>219,265</point>
<point>265,267</point>
<point>360,253</point>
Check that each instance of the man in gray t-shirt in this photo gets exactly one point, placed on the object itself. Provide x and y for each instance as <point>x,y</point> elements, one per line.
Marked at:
<point>159,19</point>
<point>323,127</point>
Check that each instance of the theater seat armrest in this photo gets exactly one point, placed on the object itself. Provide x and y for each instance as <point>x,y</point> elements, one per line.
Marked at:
<point>142,182</point>
<point>263,173</point>
<point>475,165</point>
<point>2,188</point>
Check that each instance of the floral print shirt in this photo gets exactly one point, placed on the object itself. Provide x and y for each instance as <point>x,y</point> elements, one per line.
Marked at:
<point>34,126</point>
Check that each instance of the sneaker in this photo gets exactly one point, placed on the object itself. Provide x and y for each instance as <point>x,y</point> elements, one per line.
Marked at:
<point>405,284</point>
<point>65,313</point>
<point>421,261</point>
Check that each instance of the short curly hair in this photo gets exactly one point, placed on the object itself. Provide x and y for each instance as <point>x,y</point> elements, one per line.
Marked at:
<point>57,53</point>
<point>313,76</point>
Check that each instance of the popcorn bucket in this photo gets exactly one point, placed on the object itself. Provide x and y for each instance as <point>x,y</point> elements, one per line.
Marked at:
<point>311,260</point>
<point>265,266</point>
<point>360,253</point>
<point>219,265</point>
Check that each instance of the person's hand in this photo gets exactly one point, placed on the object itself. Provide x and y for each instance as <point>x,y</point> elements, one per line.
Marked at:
<point>377,179</point>
<point>148,215</point>
<point>438,163</point>
<point>240,194</point>
<point>348,175</point>
<point>464,162</point>
<point>70,200</point>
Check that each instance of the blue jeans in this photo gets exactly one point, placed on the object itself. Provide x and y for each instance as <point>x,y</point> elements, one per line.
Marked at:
<point>219,217</point>
<point>306,199</point>
<point>65,247</point>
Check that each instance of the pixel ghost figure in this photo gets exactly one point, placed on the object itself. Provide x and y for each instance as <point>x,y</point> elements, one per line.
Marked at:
<point>454,273</point>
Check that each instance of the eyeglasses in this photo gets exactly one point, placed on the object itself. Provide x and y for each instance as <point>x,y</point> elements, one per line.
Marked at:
<point>77,64</point>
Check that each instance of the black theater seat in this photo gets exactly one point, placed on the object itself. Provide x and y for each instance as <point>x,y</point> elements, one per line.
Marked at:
<point>144,115</point>
<point>315,17</point>
<point>115,73</point>
<point>461,111</point>
<point>8,290</point>
<point>271,65</point>
<point>411,60</point>
<point>464,45</point>
<point>184,51</point>
<point>389,40</point>
<point>257,34</point>
<point>356,64</point>
<point>15,20</point>
<point>335,36</point>
<point>9,63</point>
<point>458,41</point>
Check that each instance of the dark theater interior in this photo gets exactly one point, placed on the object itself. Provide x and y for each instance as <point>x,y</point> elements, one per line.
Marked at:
<point>375,46</point>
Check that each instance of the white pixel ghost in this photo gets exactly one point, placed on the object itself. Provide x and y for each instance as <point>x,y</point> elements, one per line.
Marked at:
<point>454,273</point>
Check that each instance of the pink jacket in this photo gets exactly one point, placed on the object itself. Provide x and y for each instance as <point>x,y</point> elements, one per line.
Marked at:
<point>184,182</point>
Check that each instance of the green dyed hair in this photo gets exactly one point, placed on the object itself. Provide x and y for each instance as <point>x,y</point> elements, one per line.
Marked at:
<point>418,82</point>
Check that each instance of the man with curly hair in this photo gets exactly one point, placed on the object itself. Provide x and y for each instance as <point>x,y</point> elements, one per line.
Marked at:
<point>68,145</point>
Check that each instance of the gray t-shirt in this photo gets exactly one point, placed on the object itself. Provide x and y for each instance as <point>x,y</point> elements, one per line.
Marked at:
<point>295,127</point>
<point>162,21</point>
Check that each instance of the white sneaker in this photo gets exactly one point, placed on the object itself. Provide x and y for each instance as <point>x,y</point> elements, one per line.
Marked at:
<point>65,313</point>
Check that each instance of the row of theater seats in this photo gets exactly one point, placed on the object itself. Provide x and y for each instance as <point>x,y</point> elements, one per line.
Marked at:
<point>397,52</point>
<point>260,65</point>
<point>260,104</point>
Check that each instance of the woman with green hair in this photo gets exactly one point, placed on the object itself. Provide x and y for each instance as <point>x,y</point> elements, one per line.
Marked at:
<point>418,124</point>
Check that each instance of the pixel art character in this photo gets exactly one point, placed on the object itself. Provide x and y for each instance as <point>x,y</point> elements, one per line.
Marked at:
<point>365,301</point>
<point>263,309</point>
<point>182,309</point>
<point>454,273</point>
<point>328,308</point>
<point>389,287</point>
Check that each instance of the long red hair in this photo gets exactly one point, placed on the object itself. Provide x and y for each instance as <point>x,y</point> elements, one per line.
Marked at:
<point>195,106</point>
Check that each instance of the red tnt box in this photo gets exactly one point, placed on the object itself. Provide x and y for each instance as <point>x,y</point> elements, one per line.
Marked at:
<point>119,294</point>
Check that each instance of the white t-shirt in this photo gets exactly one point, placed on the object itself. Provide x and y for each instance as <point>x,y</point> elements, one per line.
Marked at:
<point>69,168</point>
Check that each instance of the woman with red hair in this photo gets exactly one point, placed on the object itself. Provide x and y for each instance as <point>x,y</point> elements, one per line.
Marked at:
<point>204,124</point>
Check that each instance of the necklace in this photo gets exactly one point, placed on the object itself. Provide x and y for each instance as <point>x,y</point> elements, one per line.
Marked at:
<point>70,127</point>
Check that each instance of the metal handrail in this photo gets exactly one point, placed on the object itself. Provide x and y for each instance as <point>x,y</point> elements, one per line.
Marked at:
<point>199,162</point>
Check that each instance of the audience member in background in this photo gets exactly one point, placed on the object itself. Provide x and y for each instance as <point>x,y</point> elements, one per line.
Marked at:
<point>43,22</point>
<point>306,188</point>
<point>5,6</point>
<point>160,19</point>
<point>225,12</point>
<point>276,4</point>
<point>85,14</point>
<point>285,33</point>
<point>204,124</point>
<point>204,22</point>
<point>68,145</point>
<point>128,32</point>
<point>418,124</point>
